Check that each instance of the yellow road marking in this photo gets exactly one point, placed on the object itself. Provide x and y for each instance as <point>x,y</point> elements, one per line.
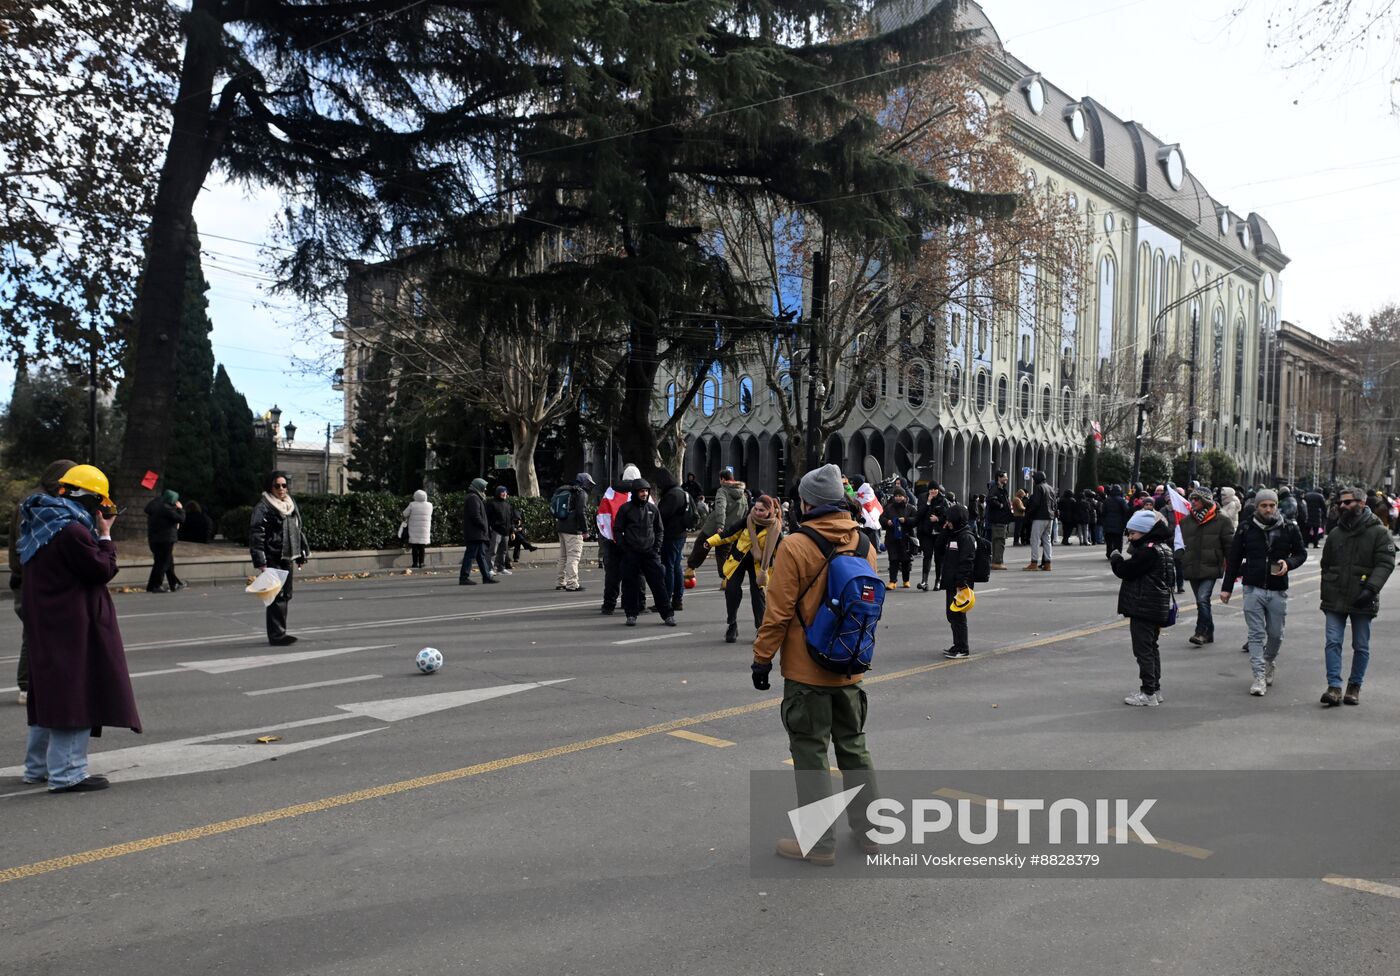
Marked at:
<point>436,779</point>
<point>704,740</point>
<point>1359,884</point>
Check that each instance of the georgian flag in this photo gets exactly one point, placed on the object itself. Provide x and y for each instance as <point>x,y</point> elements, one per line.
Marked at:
<point>607,508</point>
<point>1182,510</point>
<point>870,505</point>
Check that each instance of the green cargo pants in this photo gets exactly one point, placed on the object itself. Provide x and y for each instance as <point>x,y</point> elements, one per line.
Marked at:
<point>815,716</point>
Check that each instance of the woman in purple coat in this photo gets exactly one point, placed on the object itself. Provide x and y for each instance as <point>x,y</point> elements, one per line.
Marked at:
<point>78,679</point>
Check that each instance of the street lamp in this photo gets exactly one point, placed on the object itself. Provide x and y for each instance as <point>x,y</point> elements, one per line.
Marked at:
<point>291,433</point>
<point>1147,369</point>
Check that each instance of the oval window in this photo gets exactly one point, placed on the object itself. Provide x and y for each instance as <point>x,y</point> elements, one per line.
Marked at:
<point>708,396</point>
<point>746,396</point>
<point>954,384</point>
<point>915,385</point>
<point>984,385</point>
<point>1003,395</point>
<point>1024,399</point>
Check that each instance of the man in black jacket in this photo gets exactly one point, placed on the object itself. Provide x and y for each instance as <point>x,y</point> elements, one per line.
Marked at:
<point>476,533</point>
<point>163,517</point>
<point>1266,549</point>
<point>999,517</point>
<point>1113,519</point>
<point>638,530</point>
<point>673,504</point>
<point>933,509</point>
<point>1040,513</point>
<point>571,532</point>
<point>500,518</point>
<point>1317,516</point>
<point>959,558</point>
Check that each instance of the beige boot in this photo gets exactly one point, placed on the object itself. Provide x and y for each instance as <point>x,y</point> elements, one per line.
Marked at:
<point>1030,567</point>
<point>789,848</point>
<point>1045,567</point>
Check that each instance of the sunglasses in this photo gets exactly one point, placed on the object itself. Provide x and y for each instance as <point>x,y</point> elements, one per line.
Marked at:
<point>1349,501</point>
<point>280,484</point>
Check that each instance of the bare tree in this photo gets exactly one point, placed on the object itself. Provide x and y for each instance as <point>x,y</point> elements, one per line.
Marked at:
<point>1327,35</point>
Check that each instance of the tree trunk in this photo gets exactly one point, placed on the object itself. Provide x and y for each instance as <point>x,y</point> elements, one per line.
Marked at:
<point>151,377</point>
<point>636,437</point>
<point>524,438</point>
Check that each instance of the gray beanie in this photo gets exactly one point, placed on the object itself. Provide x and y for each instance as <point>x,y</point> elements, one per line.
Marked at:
<point>822,486</point>
<point>479,484</point>
<point>1265,495</point>
<point>1143,520</point>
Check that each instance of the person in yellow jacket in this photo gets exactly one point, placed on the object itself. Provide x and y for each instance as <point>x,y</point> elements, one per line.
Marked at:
<point>751,543</point>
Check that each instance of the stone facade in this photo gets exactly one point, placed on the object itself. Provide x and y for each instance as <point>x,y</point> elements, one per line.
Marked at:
<point>1022,391</point>
<point>1316,383</point>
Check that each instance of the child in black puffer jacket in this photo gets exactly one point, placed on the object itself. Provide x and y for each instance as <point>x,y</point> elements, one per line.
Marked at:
<point>1145,597</point>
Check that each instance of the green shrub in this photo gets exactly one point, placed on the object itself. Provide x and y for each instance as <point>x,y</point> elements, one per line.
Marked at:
<point>233,524</point>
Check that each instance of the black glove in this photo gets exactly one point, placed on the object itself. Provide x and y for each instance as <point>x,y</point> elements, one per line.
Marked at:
<point>1365,600</point>
<point>1115,554</point>
<point>760,676</point>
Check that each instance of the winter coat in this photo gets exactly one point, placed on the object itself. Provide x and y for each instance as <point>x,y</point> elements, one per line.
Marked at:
<point>637,527</point>
<point>197,527</point>
<point>999,506</point>
<point>578,505</point>
<point>1085,511</point>
<point>163,522</point>
<point>799,568</point>
<point>673,502</point>
<point>500,515</point>
<point>1356,557</point>
<point>1146,591</point>
<point>740,544</point>
<point>475,525</point>
<point>1207,544</point>
<point>926,527</point>
<point>77,666</point>
<point>1258,549</point>
<point>1115,512</point>
<point>1041,503</point>
<point>1018,505</point>
<point>898,520</point>
<point>731,504</point>
<point>273,539</point>
<point>959,558</point>
<point>1288,506</point>
<point>419,516</point>
<point>1068,509</point>
<point>1230,505</point>
<point>1317,509</point>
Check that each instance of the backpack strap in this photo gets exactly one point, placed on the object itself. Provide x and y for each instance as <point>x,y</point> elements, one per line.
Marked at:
<point>828,551</point>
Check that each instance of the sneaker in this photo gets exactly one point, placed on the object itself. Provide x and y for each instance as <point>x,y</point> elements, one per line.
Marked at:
<point>504,572</point>
<point>490,579</point>
<point>1353,695</point>
<point>1332,696</point>
<point>1259,687</point>
<point>23,698</point>
<point>789,848</point>
<point>1159,696</point>
<point>1030,567</point>
<point>906,584</point>
<point>286,640</point>
<point>731,634</point>
<point>998,565</point>
<point>1269,670</point>
<point>572,589</point>
<point>890,585</point>
<point>669,621</point>
<point>631,621</point>
<point>466,582</point>
<point>923,586</point>
<point>177,587</point>
<point>605,611</point>
<point>1142,699</point>
<point>560,586</point>
<point>1198,639</point>
<point>89,785</point>
<point>953,653</point>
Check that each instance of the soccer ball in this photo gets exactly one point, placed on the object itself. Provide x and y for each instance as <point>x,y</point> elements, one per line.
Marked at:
<point>429,660</point>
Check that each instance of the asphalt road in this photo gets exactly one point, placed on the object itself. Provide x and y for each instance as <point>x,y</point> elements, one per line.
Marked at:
<point>529,810</point>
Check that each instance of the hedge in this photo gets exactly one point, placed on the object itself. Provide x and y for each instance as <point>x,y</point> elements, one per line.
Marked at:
<point>370,520</point>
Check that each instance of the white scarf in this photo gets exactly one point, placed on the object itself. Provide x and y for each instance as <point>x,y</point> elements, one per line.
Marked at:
<point>284,507</point>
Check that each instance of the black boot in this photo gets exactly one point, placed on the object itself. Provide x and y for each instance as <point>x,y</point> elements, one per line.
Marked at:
<point>731,633</point>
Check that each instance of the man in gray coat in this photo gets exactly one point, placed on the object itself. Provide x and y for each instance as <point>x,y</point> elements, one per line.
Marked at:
<point>1358,556</point>
<point>731,505</point>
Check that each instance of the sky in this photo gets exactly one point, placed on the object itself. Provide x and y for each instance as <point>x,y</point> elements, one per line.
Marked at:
<point>1317,154</point>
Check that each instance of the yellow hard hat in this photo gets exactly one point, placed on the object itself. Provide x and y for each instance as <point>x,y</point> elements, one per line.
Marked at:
<point>964,600</point>
<point>89,479</point>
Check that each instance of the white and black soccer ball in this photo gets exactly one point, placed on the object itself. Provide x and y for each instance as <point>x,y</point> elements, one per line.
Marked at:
<point>429,660</point>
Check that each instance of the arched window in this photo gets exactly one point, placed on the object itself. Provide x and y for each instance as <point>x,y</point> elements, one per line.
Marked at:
<point>1047,404</point>
<point>709,397</point>
<point>984,385</point>
<point>1023,398</point>
<point>954,384</point>
<point>1067,406</point>
<point>1003,395</point>
<point>869,392</point>
<point>746,396</point>
<point>916,385</point>
<point>670,399</point>
<point>1108,297</point>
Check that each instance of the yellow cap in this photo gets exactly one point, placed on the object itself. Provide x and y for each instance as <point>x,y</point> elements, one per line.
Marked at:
<point>88,478</point>
<point>963,600</point>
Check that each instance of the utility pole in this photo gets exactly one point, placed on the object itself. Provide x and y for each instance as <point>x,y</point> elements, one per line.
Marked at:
<point>812,433</point>
<point>1293,447</point>
<point>326,464</point>
<point>1317,449</point>
<point>1336,447</point>
<point>1191,439</point>
<point>1141,413</point>
<point>92,396</point>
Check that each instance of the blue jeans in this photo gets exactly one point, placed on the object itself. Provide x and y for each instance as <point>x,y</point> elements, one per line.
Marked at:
<point>1264,614</point>
<point>1205,623</point>
<point>58,755</point>
<point>673,568</point>
<point>474,552</point>
<point>1360,647</point>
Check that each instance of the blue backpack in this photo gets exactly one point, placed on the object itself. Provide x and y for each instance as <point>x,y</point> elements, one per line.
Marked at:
<point>841,635</point>
<point>561,503</point>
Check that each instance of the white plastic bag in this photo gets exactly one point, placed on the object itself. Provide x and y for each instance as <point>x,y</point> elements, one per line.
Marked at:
<point>268,585</point>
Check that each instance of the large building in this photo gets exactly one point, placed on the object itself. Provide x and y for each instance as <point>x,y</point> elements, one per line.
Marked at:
<point>1024,391</point>
<point>1317,385</point>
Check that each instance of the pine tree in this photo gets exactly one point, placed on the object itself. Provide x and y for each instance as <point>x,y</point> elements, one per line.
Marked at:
<point>370,462</point>
<point>241,459</point>
<point>189,468</point>
<point>1089,465</point>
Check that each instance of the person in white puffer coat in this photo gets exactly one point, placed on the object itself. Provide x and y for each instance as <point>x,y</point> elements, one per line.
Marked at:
<point>418,519</point>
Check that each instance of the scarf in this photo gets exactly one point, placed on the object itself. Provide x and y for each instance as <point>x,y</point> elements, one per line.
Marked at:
<point>42,517</point>
<point>763,560</point>
<point>284,508</point>
<point>1206,514</point>
<point>1268,526</point>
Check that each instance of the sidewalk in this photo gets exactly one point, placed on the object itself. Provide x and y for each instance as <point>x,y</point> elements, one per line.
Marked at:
<point>223,562</point>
